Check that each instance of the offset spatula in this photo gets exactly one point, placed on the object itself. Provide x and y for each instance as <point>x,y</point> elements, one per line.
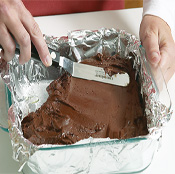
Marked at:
<point>82,71</point>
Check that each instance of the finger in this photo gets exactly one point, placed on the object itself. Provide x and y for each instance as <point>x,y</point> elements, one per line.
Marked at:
<point>22,37</point>
<point>7,44</point>
<point>151,45</point>
<point>37,39</point>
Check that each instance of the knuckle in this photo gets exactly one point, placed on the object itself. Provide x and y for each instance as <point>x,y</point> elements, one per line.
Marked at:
<point>35,29</point>
<point>149,33</point>
<point>4,9</point>
<point>24,40</point>
<point>17,3</point>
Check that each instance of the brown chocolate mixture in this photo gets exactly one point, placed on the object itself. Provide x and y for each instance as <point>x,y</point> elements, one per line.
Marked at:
<point>77,109</point>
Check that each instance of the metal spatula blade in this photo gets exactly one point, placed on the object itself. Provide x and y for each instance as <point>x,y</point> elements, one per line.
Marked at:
<point>90,72</point>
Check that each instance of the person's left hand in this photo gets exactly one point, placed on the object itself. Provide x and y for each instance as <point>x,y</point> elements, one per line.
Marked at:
<point>156,38</point>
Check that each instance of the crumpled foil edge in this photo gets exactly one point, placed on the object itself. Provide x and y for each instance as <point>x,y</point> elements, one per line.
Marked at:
<point>157,114</point>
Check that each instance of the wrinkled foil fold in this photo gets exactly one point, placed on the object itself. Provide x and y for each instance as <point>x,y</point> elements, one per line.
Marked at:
<point>27,84</point>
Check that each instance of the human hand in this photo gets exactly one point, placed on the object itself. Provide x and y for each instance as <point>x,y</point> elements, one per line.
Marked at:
<point>15,19</point>
<point>156,38</point>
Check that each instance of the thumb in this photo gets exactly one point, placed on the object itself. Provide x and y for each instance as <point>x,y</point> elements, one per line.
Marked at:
<point>151,45</point>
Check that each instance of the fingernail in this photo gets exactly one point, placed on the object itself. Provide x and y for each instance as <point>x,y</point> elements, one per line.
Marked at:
<point>48,60</point>
<point>155,57</point>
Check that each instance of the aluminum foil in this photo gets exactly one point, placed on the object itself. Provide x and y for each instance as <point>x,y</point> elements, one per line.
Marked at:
<point>27,84</point>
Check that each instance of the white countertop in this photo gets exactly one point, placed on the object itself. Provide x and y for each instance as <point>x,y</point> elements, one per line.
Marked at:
<point>59,25</point>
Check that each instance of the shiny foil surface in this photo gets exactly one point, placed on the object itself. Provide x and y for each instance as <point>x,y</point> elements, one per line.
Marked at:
<point>28,83</point>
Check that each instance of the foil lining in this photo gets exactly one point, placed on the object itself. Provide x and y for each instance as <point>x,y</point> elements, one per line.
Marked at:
<point>27,84</point>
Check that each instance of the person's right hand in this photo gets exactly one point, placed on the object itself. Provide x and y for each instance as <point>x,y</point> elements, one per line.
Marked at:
<point>15,19</point>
